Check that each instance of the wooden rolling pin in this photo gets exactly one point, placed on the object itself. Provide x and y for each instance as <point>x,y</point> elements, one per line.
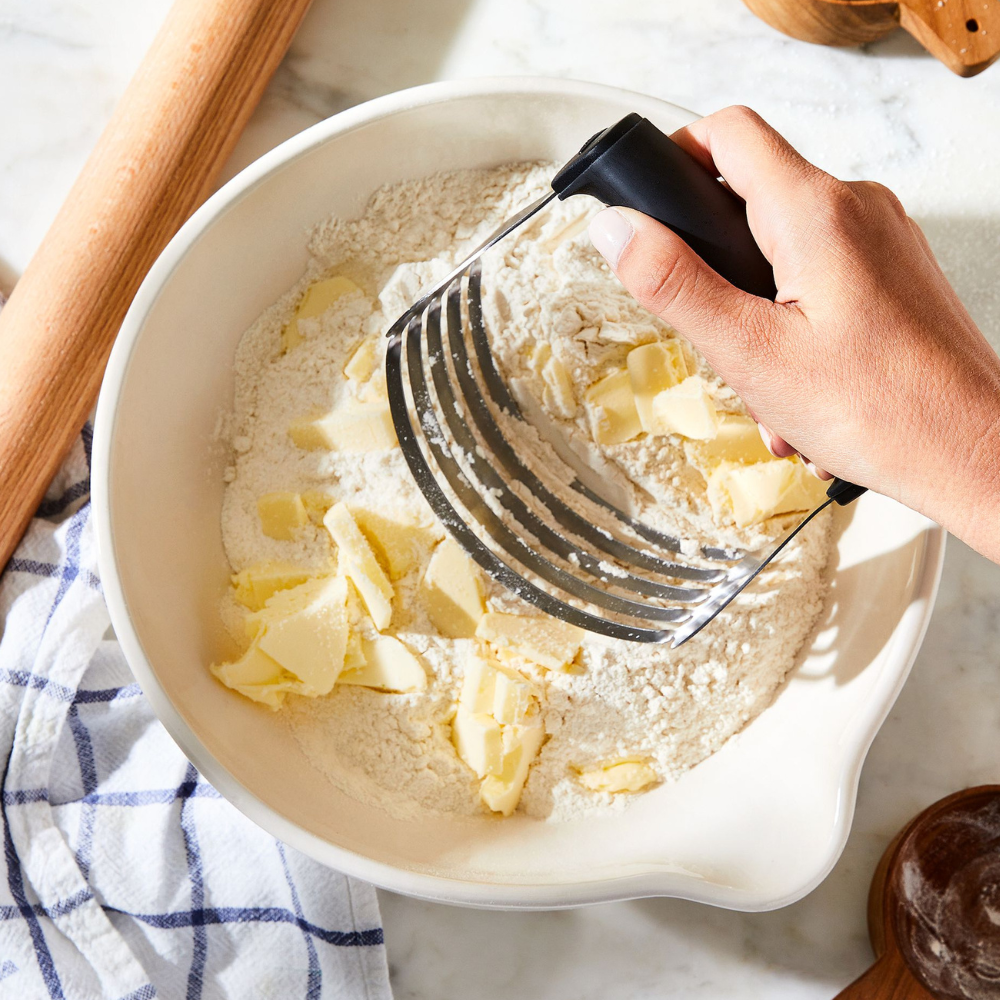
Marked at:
<point>963,34</point>
<point>155,163</point>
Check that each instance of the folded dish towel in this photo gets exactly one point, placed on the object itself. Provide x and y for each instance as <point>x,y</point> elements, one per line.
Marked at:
<point>125,875</point>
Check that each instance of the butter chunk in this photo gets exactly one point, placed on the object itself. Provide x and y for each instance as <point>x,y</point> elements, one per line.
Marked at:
<point>753,493</point>
<point>305,630</point>
<point>399,542</point>
<point>651,369</point>
<point>256,584</point>
<point>513,696</point>
<point>354,428</point>
<point>357,560</point>
<point>624,776</point>
<point>479,741</point>
<point>452,591</point>
<point>256,676</point>
<point>316,503</point>
<point>281,515</point>
<point>318,297</point>
<point>686,409</point>
<point>737,440</point>
<point>611,406</point>
<point>363,361</point>
<point>354,654</point>
<point>558,395</point>
<point>389,666</point>
<point>546,641</point>
<point>501,792</point>
<point>478,684</point>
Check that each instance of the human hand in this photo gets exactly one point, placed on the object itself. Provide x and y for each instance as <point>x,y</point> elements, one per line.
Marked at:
<point>867,362</point>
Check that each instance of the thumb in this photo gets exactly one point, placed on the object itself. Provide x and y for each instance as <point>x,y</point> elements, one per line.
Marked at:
<point>662,272</point>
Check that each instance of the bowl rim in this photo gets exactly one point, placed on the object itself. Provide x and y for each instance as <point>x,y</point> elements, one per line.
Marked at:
<point>439,888</point>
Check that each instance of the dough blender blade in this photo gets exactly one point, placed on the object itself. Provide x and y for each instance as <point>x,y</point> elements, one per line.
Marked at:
<point>555,536</point>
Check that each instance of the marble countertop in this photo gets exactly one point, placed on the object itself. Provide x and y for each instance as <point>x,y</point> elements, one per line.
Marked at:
<point>887,112</point>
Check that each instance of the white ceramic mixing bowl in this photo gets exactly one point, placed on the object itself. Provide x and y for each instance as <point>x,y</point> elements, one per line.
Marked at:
<point>756,826</point>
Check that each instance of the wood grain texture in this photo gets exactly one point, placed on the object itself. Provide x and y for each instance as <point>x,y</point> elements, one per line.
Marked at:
<point>963,34</point>
<point>155,163</point>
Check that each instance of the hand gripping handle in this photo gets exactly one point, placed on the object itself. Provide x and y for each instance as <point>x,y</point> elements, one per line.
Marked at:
<point>633,164</point>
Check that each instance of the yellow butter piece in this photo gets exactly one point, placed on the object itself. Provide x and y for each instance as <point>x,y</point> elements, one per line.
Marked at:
<point>753,493</point>
<point>316,503</point>
<point>479,683</point>
<point>281,515</point>
<point>257,677</point>
<point>558,395</point>
<point>318,297</point>
<point>305,630</point>
<point>399,542</point>
<point>623,776</point>
<point>549,643</point>
<point>389,666</point>
<point>353,428</point>
<point>478,740</point>
<point>611,407</point>
<point>686,409</point>
<point>737,440</point>
<point>357,560</point>
<point>254,585</point>
<point>539,355</point>
<point>513,697</point>
<point>501,792</point>
<point>374,390</point>
<point>363,361</point>
<point>354,654</point>
<point>452,591</point>
<point>651,369</point>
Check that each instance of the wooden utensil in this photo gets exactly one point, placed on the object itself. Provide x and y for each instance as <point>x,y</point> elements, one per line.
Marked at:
<point>155,163</point>
<point>934,904</point>
<point>963,34</point>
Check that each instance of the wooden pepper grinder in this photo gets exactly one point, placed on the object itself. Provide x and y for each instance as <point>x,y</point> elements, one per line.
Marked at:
<point>963,34</point>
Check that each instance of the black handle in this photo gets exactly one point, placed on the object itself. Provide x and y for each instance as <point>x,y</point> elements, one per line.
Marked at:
<point>635,165</point>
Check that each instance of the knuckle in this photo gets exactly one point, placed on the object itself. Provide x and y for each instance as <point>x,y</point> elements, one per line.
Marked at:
<point>661,280</point>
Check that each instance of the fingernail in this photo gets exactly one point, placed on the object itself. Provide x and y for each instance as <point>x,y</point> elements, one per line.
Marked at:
<point>610,231</point>
<point>818,473</point>
<point>774,444</point>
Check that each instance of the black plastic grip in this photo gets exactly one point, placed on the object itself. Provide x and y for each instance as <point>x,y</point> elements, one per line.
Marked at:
<point>635,165</point>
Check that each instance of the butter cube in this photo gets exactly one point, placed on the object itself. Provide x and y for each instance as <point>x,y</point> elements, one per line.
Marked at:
<point>253,586</point>
<point>753,493</point>
<point>305,631</point>
<point>452,591</point>
<point>549,643</point>
<point>281,515</point>
<point>389,666</point>
<point>539,355</point>
<point>686,409</point>
<point>737,440</point>
<point>501,792</point>
<point>479,742</point>
<point>318,297</point>
<point>623,776</point>
<point>398,541</point>
<point>363,361</point>
<point>651,369</point>
<point>354,428</point>
<point>316,503</point>
<point>354,654</point>
<point>513,697</point>
<point>558,395</point>
<point>611,407</point>
<point>357,560</point>
<point>253,668</point>
<point>479,683</point>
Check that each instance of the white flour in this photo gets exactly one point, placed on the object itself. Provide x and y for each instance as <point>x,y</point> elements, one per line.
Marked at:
<point>628,700</point>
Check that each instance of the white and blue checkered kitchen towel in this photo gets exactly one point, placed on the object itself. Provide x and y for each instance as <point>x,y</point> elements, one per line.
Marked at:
<point>125,875</point>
